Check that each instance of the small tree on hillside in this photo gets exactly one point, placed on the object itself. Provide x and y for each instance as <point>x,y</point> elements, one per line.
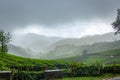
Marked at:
<point>4,39</point>
<point>116,23</point>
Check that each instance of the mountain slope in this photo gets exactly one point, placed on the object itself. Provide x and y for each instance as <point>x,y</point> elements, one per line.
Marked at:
<point>35,42</point>
<point>106,57</point>
<point>19,51</point>
<point>8,62</point>
<point>55,47</point>
<point>73,50</point>
<point>108,37</point>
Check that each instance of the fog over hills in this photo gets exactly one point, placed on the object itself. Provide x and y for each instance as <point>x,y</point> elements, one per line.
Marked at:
<point>74,46</point>
<point>37,43</point>
<point>75,23</point>
<point>19,51</point>
<point>68,50</point>
<point>108,37</point>
<point>56,47</point>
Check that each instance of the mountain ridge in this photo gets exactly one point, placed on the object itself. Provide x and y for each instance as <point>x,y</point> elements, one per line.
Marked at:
<point>45,47</point>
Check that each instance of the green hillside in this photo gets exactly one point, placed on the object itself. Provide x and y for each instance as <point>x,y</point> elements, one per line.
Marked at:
<point>27,68</point>
<point>33,69</point>
<point>8,62</point>
<point>103,46</point>
<point>20,51</point>
<point>69,50</point>
<point>106,57</point>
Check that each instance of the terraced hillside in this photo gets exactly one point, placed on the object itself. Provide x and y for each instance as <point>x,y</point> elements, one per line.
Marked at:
<point>8,62</point>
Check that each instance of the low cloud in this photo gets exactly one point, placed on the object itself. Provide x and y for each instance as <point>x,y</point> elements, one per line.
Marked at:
<point>20,13</point>
<point>75,29</point>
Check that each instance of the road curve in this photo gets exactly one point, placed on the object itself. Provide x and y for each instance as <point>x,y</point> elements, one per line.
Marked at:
<point>116,78</point>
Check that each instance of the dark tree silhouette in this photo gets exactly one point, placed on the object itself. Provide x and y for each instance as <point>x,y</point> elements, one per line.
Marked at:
<point>116,23</point>
<point>4,39</point>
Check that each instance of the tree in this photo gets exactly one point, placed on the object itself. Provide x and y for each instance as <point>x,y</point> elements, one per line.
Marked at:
<point>116,23</point>
<point>4,39</point>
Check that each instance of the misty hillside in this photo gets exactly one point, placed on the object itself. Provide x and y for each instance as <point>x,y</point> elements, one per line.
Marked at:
<point>108,37</point>
<point>68,50</point>
<point>19,51</point>
<point>106,57</point>
<point>74,46</point>
<point>37,43</point>
<point>56,47</point>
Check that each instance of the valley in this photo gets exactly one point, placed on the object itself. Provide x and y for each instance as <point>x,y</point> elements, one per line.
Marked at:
<point>44,47</point>
<point>59,39</point>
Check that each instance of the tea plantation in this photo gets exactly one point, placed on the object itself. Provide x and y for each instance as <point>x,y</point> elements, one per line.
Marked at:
<point>33,69</point>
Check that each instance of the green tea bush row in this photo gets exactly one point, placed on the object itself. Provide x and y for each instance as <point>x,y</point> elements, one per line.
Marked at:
<point>28,76</point>
<point>112,69</point>
<point>93,70</point>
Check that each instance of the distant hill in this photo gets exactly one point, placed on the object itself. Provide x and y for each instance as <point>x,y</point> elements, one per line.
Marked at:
<point>68,50</point>
<point>19,51</point>
<point>108,37</point>
<point>106,57</point>
<point>73,46</point>
<point>37,43</point>
<point>55,47</point>
<point>64,51</point>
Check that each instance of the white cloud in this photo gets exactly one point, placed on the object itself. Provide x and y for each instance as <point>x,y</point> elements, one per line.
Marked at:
<point>76,29</point>
<point>97,27</point>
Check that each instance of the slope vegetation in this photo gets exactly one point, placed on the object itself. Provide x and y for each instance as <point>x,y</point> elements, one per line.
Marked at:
<point>67,50</point>
<point>106,57</point>
<point>8,61</point>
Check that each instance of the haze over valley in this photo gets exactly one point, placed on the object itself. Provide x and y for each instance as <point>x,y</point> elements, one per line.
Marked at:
<point>40,46</point>
<point>58,29</point>
<point>59,39</point>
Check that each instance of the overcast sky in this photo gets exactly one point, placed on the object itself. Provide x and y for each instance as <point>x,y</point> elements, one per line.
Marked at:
<point>63,18</point>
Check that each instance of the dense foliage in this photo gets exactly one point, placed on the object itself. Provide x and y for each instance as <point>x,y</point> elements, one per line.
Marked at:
<point>116,23</point>
<point>33,69</point>
<point>4,39</point>
<point>92,70</point>
<point>8,62</point>
<point>27,68</point>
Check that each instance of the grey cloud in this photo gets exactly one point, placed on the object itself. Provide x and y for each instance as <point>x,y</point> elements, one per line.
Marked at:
<point>18,13</point>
